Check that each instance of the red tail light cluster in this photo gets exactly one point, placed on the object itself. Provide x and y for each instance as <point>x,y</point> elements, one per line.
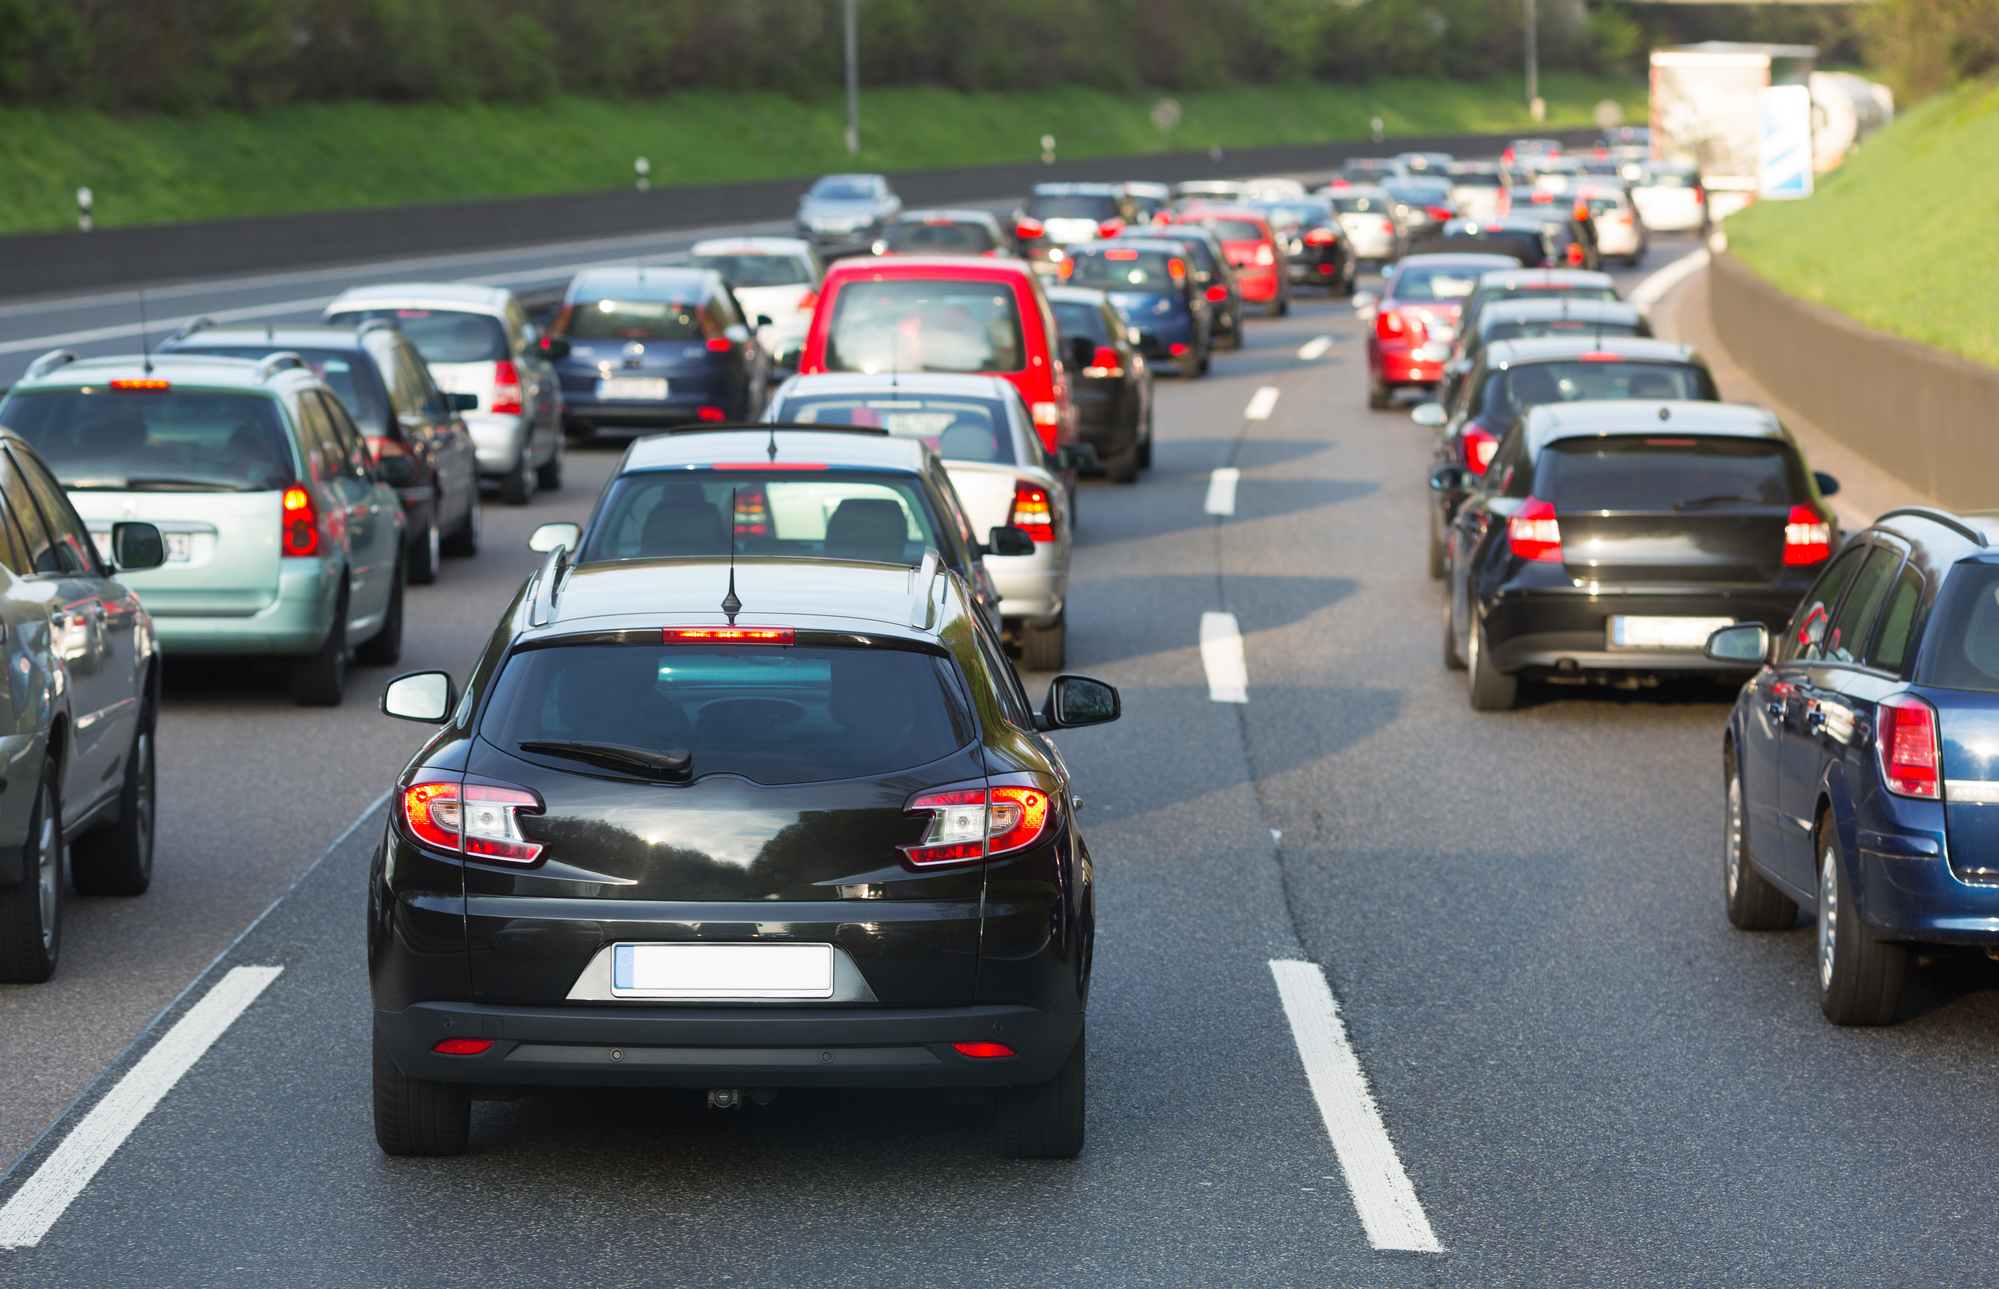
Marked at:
<point>1029,229</point>
<point>1321,236</point>
<point>971,824</point>
<point>1479,445</point>
<point>808,302</point>
<point>300,532</point>
<point>1575,254</point>
<point>1905,738</point>
<point>1110,228</point>
<point>1807,537</point>
<point>719,344</point>
<point>1105,362</point>
<point>1032,511</point>
<point>474,819</point>
<point>1533,532</point>
<point>1440,213</point>
<point>710,414</point>
<point>1390,324</point>
<point>506,396</point>
<point>752,514</point>
<point>729,635</point>
<point>1217,294</point>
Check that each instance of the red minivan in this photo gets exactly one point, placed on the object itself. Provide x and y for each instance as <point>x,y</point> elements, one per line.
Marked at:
<point>944,314</point>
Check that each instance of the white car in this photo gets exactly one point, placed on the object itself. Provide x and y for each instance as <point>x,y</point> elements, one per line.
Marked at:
<point>1670,197</point>
<point>478,341</point>
<point>1367,215</point>
<point>773,277</point>
<point>1478,188</point>
<point>980,429</point>
<point>1274,189</point>
<point>1619,231</point>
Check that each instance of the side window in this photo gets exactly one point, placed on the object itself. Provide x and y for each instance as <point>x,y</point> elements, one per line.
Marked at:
<point>942,483</point>
<point>517,325</point>
<point>1006,686</point>
<point>405,394</point>
<point>1808,625</point>
<point>354,459</point>
<point>1509,473</point>
<point>722,306</point>
<point>39,556</point>
<point>316,439</point>
<point>73,549</point>
<point>1848,634</point>
<point>13,551</point>
<point>1891,643</point>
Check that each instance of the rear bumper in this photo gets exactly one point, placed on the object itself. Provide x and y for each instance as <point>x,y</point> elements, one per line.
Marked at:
<point>1030,586</point>
<point>1400,366</point>
<point>1259,285</point>
<point>1568,632</point>
<point>498,440</point>
<point>295,623</point>
<point>611,1045</point>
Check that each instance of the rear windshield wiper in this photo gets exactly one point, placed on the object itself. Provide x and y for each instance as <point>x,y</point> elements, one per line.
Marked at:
<point>1716,499</point>
<point>616,756</point>
<point>139,484</point>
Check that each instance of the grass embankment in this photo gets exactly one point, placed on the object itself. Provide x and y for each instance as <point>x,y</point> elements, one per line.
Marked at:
<point>321,156</point>
<point>1900,237</point>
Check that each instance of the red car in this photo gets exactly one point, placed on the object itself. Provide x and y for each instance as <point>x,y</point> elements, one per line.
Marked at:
<point>1253,251</point>
<point>1417,318</point>
<point>945,314</point>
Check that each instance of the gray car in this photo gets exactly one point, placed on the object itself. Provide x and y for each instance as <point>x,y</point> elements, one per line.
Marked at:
<point>844,214</point>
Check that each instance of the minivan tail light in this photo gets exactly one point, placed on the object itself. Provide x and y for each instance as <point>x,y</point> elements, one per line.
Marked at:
<point>1479,445</point>
<point>1533,532</point>
<point>971,824</point>
<point>1905,739</point>
<point>1105,362</point>
<point>1031,511</point>
<point>1807,537</point>
<point>299,534</point>
<point>1047,414</point>
<point>506,389</point>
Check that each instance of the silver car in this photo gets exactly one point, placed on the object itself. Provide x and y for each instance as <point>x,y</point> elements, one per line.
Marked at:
<point>980,429</point>
<point>478,341</point>
<point>843,214</point>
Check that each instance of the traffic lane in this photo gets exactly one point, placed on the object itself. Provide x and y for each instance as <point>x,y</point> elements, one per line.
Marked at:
<point>1201,1123</point>
<point>1593,1077</point>
<point>251,789</point>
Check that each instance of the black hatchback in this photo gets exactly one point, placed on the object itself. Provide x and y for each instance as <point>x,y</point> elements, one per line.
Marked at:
<point>736,827</point>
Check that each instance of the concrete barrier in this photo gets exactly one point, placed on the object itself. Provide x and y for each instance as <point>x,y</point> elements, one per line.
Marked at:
<point>35,264</point>
<point>1926,417</point>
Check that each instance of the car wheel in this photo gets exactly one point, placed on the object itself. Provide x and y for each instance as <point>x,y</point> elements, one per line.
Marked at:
<point>549,476</point>
<point>386,646</point>
<point>1281,306</point>
<point>31,910</point>
<point>1860,978</point>
<point>320,679</point>
<point>1377,394</point>
<point>1491,689</point>
<point>1124,466</point>
<point>1145,444</point>
<point>1436,544</point>
<point>1045,648</point>
<point>1754,904</point>
<point>518,485</point>
<point>118,860</point>
<point>1452,660</point>
<point>418,1116</point>
<point>1043,1120</point>
<point>465,541</point>
<point>1234,333</point>
<point>426,553</point>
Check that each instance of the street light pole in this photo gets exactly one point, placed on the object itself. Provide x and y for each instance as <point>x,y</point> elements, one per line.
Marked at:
<point>1535,108</point>
<point>854,83</point>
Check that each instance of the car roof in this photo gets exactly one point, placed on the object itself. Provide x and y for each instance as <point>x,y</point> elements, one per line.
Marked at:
<point>1076,190</point>
<point>1533,309</point>
<point>1542,349</point>
<point>1919,525</point>
<point>855,451</point>
<point>817,595</point>
<point>490,299</point>
<point>851,174</point>
<point>751,246</point>
<point>1147,188</point>
<point>348,338</point>
<point>940,212</point>
<point>1452,260</point>
<point>971,383</point>
<point>643,281</point>
<point>1075,295</point>
<point>1360,190</point>
<point>204,370</point>
<point>1551,277</point>
<point>963,268</point>
<point>1553,422</point>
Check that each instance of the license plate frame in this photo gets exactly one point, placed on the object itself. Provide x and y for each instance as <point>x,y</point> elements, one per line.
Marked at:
<point>1664,633</point>
<point>633,389</point>
<point>721,971</point>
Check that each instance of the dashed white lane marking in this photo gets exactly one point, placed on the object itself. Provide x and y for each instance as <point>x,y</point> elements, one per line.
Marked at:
<point>1653,289</point>
<point>1314,347</point>
<point>1221,658</point>
<point>1382,1195</point>
<point>1221,491</point>
<point>1261,403</point>
<point>34,1208</point>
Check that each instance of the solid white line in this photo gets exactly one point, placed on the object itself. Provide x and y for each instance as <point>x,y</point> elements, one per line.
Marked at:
<point>1652,289</point>
<point>1221,658</point>
<point>1382,1195</point>
<point>1314,347</point>
<point>1221,491</point>
<point>1261,403</point>
<point>34,1208</point>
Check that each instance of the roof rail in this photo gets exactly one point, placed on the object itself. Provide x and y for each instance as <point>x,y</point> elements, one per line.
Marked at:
<point>271,364</point>
<point>545,586</point>
<point>1936,516</point>
<point>923,583</point>
<point>49,361</point>
<point>717,427</point>
<point>203,323</point>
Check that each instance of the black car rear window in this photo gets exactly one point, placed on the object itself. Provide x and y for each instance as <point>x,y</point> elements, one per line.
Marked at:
<point>940,237</point>
<point>1572,327</point>
<point>957,428</point>
<point>630,320</point>
<point>773,714</point>
<point>166,441</point>
<point>341,369</point>
<point>1125,270</point>
<point>1513,391</point>
<point>1961,648</point>
<point>793,509</point>
<point>1689,473</point>
<point>1071,206</point>
<point>440,335</point>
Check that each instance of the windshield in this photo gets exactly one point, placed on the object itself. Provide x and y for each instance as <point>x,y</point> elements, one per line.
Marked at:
<point>843,190</point>
<point>925,326</point>
<point>748,270</point>
<point>1487,180</point>
<point>1518,329</point>
<point>440,335</point>
<point>338,368</point>
<point>1126,270</point>
<point>1360,205</point>
<point>1071,206</point>
<point>955,428</point>
<point>168,441</point>
<point>1423,282</point>
<point>773,714</point>
<point>1511,392</point>
<point>1418,192</point>
<point>1232,230</point>
<point>630,320</point>
<point>941,237</point>
<point>802,512</point>
<point>1667,472</point>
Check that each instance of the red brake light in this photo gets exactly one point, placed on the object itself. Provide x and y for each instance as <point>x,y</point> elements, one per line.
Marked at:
<point>970,824</point>
<point>1575,253</point>
<point>1110,228</point>
<point>808,301</point>
<point>141,386</point>
<point>1032,512</point>
<point>1176,349</point>
<point>984,1051</point>
<point>1176,269</point>
<point>1120,255</point>
<point>1321,237</point>
<point>1905,740</point>
<point>1388,325</point>
<point>718,344</point>
<point>475,819</point>
<point>463,1046</point>
<point>506,389</point>
<point>710,414</point>
<point>1533,532</point>
<point>1600,356</point>
<point>1105,362</point>
<point>1807,537</point>
<point>299,534</point>
<point>1217,294</point>
<point>1700,194</point>
<point>1440,213</point>
<point>1029,229</point>
<point>728,635</point>
<point>1479,445</point>
<point>430,812</point>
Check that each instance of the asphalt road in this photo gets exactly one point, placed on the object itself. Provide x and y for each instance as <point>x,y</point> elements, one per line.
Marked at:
<point>1587,1076</point>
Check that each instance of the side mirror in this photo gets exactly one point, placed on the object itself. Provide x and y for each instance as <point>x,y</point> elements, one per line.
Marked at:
<point>1747,642</point>
<point>1450,478</point>
<point>737,333</point>
<point>1081,350</point>
<point>419,696</point>
<point>555,537</point>
<point>1008,540</point>
<point>1076,456</point>
<point>1075,701</point>
<point>464,402</point>
<point>1827,484</point>
<point>137,546</point>
<point>763,320</point>
<point>554,347</point>
<point>1430,414</point>
<point>396,471</point>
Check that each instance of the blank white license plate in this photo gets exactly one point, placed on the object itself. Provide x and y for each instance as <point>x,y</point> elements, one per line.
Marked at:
<point>180,546</point>
<point>1664,633</point>
<point>1434,352</point>
<point>722,971</point>
<point>650,388</point>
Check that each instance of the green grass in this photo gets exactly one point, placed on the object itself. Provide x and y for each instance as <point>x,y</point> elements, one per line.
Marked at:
<point>320,156</point>
<point>1901,236</point>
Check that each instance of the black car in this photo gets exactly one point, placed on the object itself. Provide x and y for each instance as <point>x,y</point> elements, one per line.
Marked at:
<point>1152,285</point>
<point>1522,284</point>
<point>735,826</point>
<point>1209,266</point>
<point>1512,377</point>
<point>1607,541</point>
<point>1570,227</point>
<point>414,430</point>
<point>1533,318</point>
<point>1109,380</point>
<point>1315,246</point>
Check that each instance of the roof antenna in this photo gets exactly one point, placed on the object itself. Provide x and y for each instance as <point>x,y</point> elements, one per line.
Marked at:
<point>771,450</point>
<point>145,345</point>
<point>730,604</point>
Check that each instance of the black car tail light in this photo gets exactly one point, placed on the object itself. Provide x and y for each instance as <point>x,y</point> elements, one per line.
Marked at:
<point>971,824</point>
<point>1479,446</point>
<point>1105,362</point>
<point>475,818</point>
<point>1807,537</point>
<point>1534,533</point>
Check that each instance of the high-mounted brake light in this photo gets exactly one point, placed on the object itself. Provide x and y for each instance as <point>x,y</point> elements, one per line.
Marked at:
<point>1217,294</point>
<point>1905,740</point>
<point>971,824</point>
<point>1321,237</point>
<point>154,386</point>
<point>1479,445</point>
<point>1533,532</point>
<point>1601,356</point>
<point>727,635</point>
<point>1120,255</point>
<point>1807,536</point>
<point>711,414</point>
<point>1031,510</point>
<point>506,396</point>
<point>463,1046</point>
<point>1105,362</point>
<point>299,531</point>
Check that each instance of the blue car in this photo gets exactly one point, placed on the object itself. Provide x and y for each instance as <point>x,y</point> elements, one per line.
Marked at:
<point>1153,288</point>
<point>641,348</point>
<point>1861,762</point>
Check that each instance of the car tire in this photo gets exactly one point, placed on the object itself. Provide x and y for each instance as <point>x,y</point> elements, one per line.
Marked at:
<point>1491,689</point>
<point>1045,648</point>
<point>1453,661</point>
<point>385,647</point>
<point>548,477</point>
<point>118,860</point>
<point>1043,1120</point>
<point>1753,902</point>
<point>1436,545</point>
<point>320,679</point>
<point>1124,466</point>
<point>1281,306</point>
<point>1859,977</point>
<point>465,541</point>
<point>1145,444</point>
<point>418,1116</point>
<point>426,553</point>
<point>31,909</point>
<point>518,484</point>
<point>1377,395</point>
